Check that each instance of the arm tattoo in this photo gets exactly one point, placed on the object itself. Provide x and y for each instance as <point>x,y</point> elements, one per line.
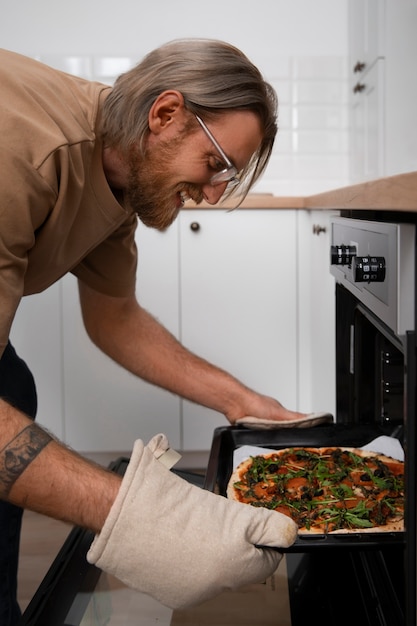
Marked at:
<point>19,453</point>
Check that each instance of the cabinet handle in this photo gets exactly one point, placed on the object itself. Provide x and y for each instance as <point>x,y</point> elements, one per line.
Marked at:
<point>359,67</point>
<point>195,226</point>
<point>358,88</point>
<point>317,229</point>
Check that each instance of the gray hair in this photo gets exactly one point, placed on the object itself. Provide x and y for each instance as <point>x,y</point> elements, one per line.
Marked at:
<point>212,76</point>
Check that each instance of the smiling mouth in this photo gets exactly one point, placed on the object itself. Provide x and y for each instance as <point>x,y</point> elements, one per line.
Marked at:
<point>181,199</point>
<point>183,196</point>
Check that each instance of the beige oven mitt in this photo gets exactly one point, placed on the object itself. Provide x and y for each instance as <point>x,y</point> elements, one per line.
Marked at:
<point>312,419</point>
<point>182,544</point>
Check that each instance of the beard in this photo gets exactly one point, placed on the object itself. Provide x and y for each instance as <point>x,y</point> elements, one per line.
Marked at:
<point>149,191</point>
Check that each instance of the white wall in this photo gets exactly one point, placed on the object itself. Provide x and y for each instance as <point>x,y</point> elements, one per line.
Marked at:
<point>132,27</point>
<point>300,45</point>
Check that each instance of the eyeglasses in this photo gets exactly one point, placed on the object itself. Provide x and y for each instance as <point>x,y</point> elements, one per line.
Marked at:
<point>227,174</point>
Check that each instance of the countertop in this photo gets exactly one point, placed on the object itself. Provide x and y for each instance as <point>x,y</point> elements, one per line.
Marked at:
<point>393,193</point>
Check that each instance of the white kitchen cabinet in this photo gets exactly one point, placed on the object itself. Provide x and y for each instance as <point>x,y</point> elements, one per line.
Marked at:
<point>383,48</point>
<point>400,154</point>
<point>367,127</point>
<point>238,282</point>
<point>366,32</point>
<point>225,283</point>
<point>105,407</point>
<point>367,104</point>
<point>316,312</point>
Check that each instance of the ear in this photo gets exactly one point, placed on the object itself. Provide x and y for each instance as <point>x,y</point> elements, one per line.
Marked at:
<point>167,111</point>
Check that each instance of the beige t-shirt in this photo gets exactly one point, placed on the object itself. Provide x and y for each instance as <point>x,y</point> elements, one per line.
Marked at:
<point>57,212</point>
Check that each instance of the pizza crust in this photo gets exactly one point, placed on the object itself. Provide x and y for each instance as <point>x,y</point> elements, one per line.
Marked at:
<point>391,526</point>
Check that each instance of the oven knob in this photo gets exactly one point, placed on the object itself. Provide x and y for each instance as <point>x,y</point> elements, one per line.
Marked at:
<point>368,269</point>
<point>342,255</point>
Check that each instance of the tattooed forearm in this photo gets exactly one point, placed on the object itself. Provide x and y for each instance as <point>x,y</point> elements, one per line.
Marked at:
<point>18,454</point>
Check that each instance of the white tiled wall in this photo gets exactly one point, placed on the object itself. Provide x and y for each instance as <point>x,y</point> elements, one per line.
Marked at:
<point>311,150</point>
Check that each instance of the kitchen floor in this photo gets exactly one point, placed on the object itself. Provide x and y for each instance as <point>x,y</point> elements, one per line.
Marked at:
<point>40,542</point>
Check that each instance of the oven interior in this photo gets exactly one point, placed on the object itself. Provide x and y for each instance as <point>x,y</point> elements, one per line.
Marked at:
<point>370,367</point>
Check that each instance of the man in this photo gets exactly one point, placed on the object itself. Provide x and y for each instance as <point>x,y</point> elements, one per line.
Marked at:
<point>80,163</point>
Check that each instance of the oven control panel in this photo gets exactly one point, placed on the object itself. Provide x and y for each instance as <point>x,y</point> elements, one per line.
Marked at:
<point>365,269</point>
<point>375,261</point>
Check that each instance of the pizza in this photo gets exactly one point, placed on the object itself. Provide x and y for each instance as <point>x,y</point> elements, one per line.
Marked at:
<point>325,490</point>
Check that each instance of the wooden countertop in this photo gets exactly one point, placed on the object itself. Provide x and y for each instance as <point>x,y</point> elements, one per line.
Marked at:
<point>253,201</point>
<point>393,193</point>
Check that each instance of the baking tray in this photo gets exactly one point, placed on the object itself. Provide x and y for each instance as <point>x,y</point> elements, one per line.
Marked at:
<point>220,465</point>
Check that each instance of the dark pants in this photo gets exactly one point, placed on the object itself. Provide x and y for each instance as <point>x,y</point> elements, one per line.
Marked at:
<point>17,387</point>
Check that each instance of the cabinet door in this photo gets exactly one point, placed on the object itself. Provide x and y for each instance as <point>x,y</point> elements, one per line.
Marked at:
<point>366,29</point>
<point>368,126</point>
<point>106,408</point>
<point>367,49</point>
<point>317,348</point>
<point>401,87</point>
<point>238,304</point>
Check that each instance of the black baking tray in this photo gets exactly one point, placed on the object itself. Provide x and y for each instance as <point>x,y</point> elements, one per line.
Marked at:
<point>220,465</point>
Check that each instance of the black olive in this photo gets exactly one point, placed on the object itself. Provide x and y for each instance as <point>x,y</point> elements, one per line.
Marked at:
<point>379,473</point>
<point>318,492</point>
<point>365,478</point>
<point>273,468</point>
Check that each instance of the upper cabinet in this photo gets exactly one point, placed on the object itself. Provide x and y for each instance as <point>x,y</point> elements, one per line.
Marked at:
<point>367,122</point>
<point>383,88</point>
<point>366,29</point>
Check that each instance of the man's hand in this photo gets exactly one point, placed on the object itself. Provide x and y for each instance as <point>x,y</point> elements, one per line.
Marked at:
<point>267,413</point>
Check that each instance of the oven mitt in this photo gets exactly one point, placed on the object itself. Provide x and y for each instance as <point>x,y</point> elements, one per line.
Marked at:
<point>182,544</point>
<point>313,419</point>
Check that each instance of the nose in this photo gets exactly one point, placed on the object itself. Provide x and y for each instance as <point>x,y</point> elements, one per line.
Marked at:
<point>213,193</point>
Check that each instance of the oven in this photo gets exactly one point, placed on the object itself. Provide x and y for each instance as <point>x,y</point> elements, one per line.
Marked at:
<point>368,579</point>
<point>374,264</point>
